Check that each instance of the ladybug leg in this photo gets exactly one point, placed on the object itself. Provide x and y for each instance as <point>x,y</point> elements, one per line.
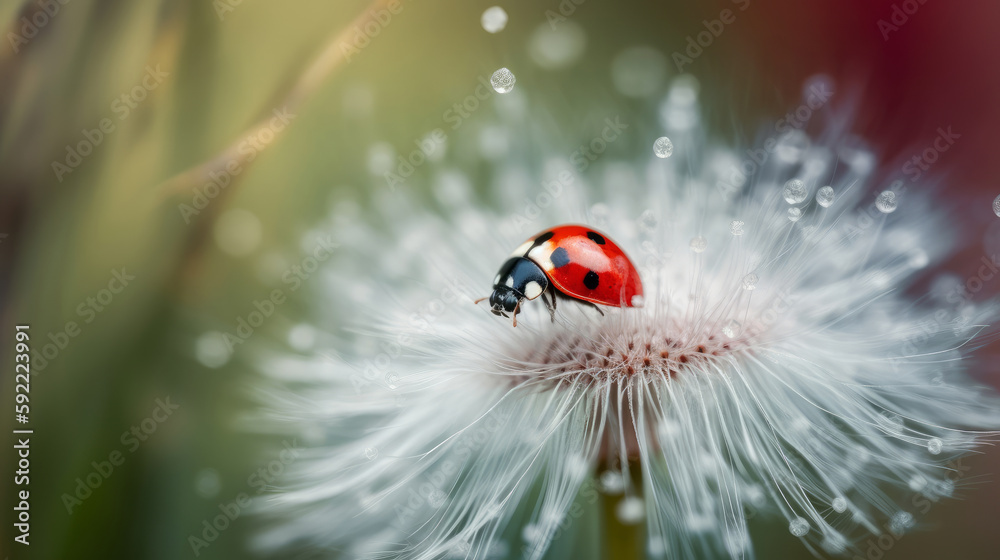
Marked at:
<point>594,305</point>
<point>550,304</point>
<point>517,309</point>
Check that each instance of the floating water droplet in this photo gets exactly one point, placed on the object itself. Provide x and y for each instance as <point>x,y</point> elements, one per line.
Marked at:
<point>494,19</point>
<point>371,453</point>
<point>503,80</point>
<point>824,196</point>
<point>886,202</point>
<point>630,510</point>
<point>799,527</point>
<point>996,205</point>
<point>612,482</point>
<point>531,533</point>
<point>795,191</point>
<point>732,329</point>
<point>736,227</point>
<point>698,244</point>
<point>663,147</point>
<point>302,336</point>
<point>559,47</point>
<point>648,221</point>
<point>638,301</point>
<point>207,483</point>
<point>839,504</point>
<point>935,445</point>
<point>750,281</point>
<point>901,521</point>
<point>639,71</point>
<point>794,214</point>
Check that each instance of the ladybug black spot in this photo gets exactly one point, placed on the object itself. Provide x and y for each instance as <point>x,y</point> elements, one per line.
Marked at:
<point>595,237</point>
<point>591,280</point>
<point>560,257</point>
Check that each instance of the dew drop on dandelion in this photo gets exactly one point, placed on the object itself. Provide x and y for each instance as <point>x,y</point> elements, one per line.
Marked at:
<point>750,281</point>
<point>996,205</point>
<point>799,527</point>
<point>794,214</point>
<point>502,80</point>
<point>371,453</point>
<point>839,504</point>
<point>699,244</point>
<point>663,147</point>
<point>886,202</point>
<point>612,482</point>
<point>736,227</point>
<point>935,445</point>
<point>795,191</point>
<point>630,510</point>
<point>824,196</point>
<point>900,522</point>
<point>494,19</point>
<point>732,329</point>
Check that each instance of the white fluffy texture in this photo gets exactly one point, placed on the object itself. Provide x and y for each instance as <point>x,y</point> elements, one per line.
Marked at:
<point>439,430</point>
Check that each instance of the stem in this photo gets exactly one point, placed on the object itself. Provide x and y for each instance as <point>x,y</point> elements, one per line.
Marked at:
<point>622,541</point>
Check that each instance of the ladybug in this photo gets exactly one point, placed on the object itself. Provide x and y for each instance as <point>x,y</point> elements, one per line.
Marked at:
<point>571,261</point>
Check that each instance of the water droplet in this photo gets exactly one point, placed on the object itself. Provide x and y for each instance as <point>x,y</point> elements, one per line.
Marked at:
<point>935,445</point>
<point>371,453</point>
<point>238,232</point>
<point>663,147</point>
<point>736,227</point>
<point>639,71</point>
<point>919,258</point>
<point>302,336</point>
<point>503,80</point>
<point>612,482</point>
<point>532,533</point>
<point>648,221</point>
<point>207,483</point>
<point>494,19</point>
<point>799,527</point>
<point>794,214</point>
<point>795,191</point>
<point>630,510</point>
<point>824,196</point>
<point>901,521</point>
<point>996,205</point>
<point>750,281</point>
<point>886,202</point>
<point>839,504</point>
<point>638,301</point>
<point>212,350</point>
<point>698,244</point>
<point>732,329</point>
<point>557,48</point>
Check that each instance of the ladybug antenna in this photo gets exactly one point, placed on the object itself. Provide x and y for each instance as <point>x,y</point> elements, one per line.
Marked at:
<point>479,300</point>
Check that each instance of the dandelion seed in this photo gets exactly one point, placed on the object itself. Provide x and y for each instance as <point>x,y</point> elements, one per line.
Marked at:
<point>934,445</point>
<point>736,227</point>
<point>839,504</point>
<point>901,521</point>
<point>750,281</point>
<point>799,527</point>
<point>794,214</point>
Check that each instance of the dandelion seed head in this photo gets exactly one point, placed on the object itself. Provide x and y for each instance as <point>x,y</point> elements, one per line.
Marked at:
<point>794,396</point>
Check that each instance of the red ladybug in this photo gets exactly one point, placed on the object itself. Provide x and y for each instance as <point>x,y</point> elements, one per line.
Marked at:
<point>571,261</point>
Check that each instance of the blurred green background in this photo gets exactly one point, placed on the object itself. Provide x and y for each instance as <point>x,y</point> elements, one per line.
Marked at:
<point>196,76</point>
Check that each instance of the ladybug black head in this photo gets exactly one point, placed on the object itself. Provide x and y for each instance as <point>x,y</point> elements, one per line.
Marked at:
<point>504,299</point>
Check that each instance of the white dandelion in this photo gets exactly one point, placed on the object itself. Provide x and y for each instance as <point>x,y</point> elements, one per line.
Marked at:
<point>777,366</point>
